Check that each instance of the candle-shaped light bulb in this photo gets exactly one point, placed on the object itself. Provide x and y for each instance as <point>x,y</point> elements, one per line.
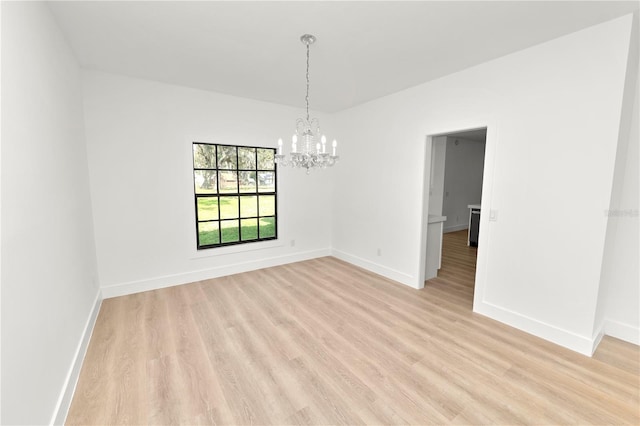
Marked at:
<point>324,144</point>
<point>317,148</point>
<point>280,146</point>
<point>335,144</point>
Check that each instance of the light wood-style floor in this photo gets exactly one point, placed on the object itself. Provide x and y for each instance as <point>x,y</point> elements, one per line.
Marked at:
<point>323,342</point>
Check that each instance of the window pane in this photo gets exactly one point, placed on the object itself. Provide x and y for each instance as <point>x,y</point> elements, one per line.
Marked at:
<point>267,205</point>
<point>247,158</point>
<point>229,207</point>
<point>247,181</point>
<point>207,208</point>
<point>228,182</point>
<point>266,182</point>
<point>205,181</point>
<point>227,158</point>
<point>266,159</point>
<point>249,229</point>
<point>208,233</point>
<point>231,184</point>
<point>204,156</point>
<point>267,227</point>
<point>230,231</point>
<point>249,206</point>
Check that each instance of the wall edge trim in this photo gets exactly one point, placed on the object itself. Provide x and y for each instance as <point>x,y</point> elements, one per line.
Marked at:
<point>565,338</point>
<point>187,277</point>
<point>392,274</point>
<point>68,389</point>
<point>456,228</point>
<point>622,331</point>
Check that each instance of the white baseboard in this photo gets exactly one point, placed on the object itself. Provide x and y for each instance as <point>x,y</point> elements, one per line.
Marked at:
<point>565,338</point>
<point>622,331</point>
<point>376,268</point>
<point>597,338</point>
<point>205,274</point>
<point>455,228</point>
<point>64,400</point>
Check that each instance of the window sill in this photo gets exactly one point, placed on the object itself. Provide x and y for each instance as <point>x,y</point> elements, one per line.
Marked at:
<point>240,248</point>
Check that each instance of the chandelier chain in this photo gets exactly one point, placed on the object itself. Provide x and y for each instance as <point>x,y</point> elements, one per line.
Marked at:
<point>307,97</point>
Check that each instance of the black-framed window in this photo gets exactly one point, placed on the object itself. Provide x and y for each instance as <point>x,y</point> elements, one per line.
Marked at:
<point>235,194</point>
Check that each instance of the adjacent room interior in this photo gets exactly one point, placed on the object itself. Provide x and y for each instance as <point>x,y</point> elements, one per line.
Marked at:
<point>466,252</point>
<point>455,195</point>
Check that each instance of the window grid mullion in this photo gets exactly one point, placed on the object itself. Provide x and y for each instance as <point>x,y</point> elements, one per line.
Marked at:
<point>218,198</point>
<point>218,195</point>
<point>237,170</point>
<point>257,197</point>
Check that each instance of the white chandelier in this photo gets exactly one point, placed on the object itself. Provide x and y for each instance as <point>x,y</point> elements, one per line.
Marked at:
<point>313,152</point>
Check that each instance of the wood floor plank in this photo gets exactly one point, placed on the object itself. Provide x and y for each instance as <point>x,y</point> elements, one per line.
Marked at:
<point>362,365</point>
<point>324,342</point>
<point>266,365</point>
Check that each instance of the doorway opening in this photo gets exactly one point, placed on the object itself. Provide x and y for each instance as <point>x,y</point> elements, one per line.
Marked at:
<point>455,184</point>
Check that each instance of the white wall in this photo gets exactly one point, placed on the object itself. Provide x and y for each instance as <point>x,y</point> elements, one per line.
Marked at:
<point>620,292</point>
<point>437,175</point>
<point>552,113</point>
<point>462,181</point>
<point>48,255</point>
<point>139,136</point>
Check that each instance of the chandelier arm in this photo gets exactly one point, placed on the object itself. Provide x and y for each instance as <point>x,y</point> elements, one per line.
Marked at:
<point>301,125</point>
<point>314,125</point>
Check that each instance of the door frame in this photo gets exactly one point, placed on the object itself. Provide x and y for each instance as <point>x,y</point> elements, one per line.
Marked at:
<point>484,240</point>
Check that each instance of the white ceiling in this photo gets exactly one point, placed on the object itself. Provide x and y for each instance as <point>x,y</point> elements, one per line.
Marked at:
<point>365,50</point>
